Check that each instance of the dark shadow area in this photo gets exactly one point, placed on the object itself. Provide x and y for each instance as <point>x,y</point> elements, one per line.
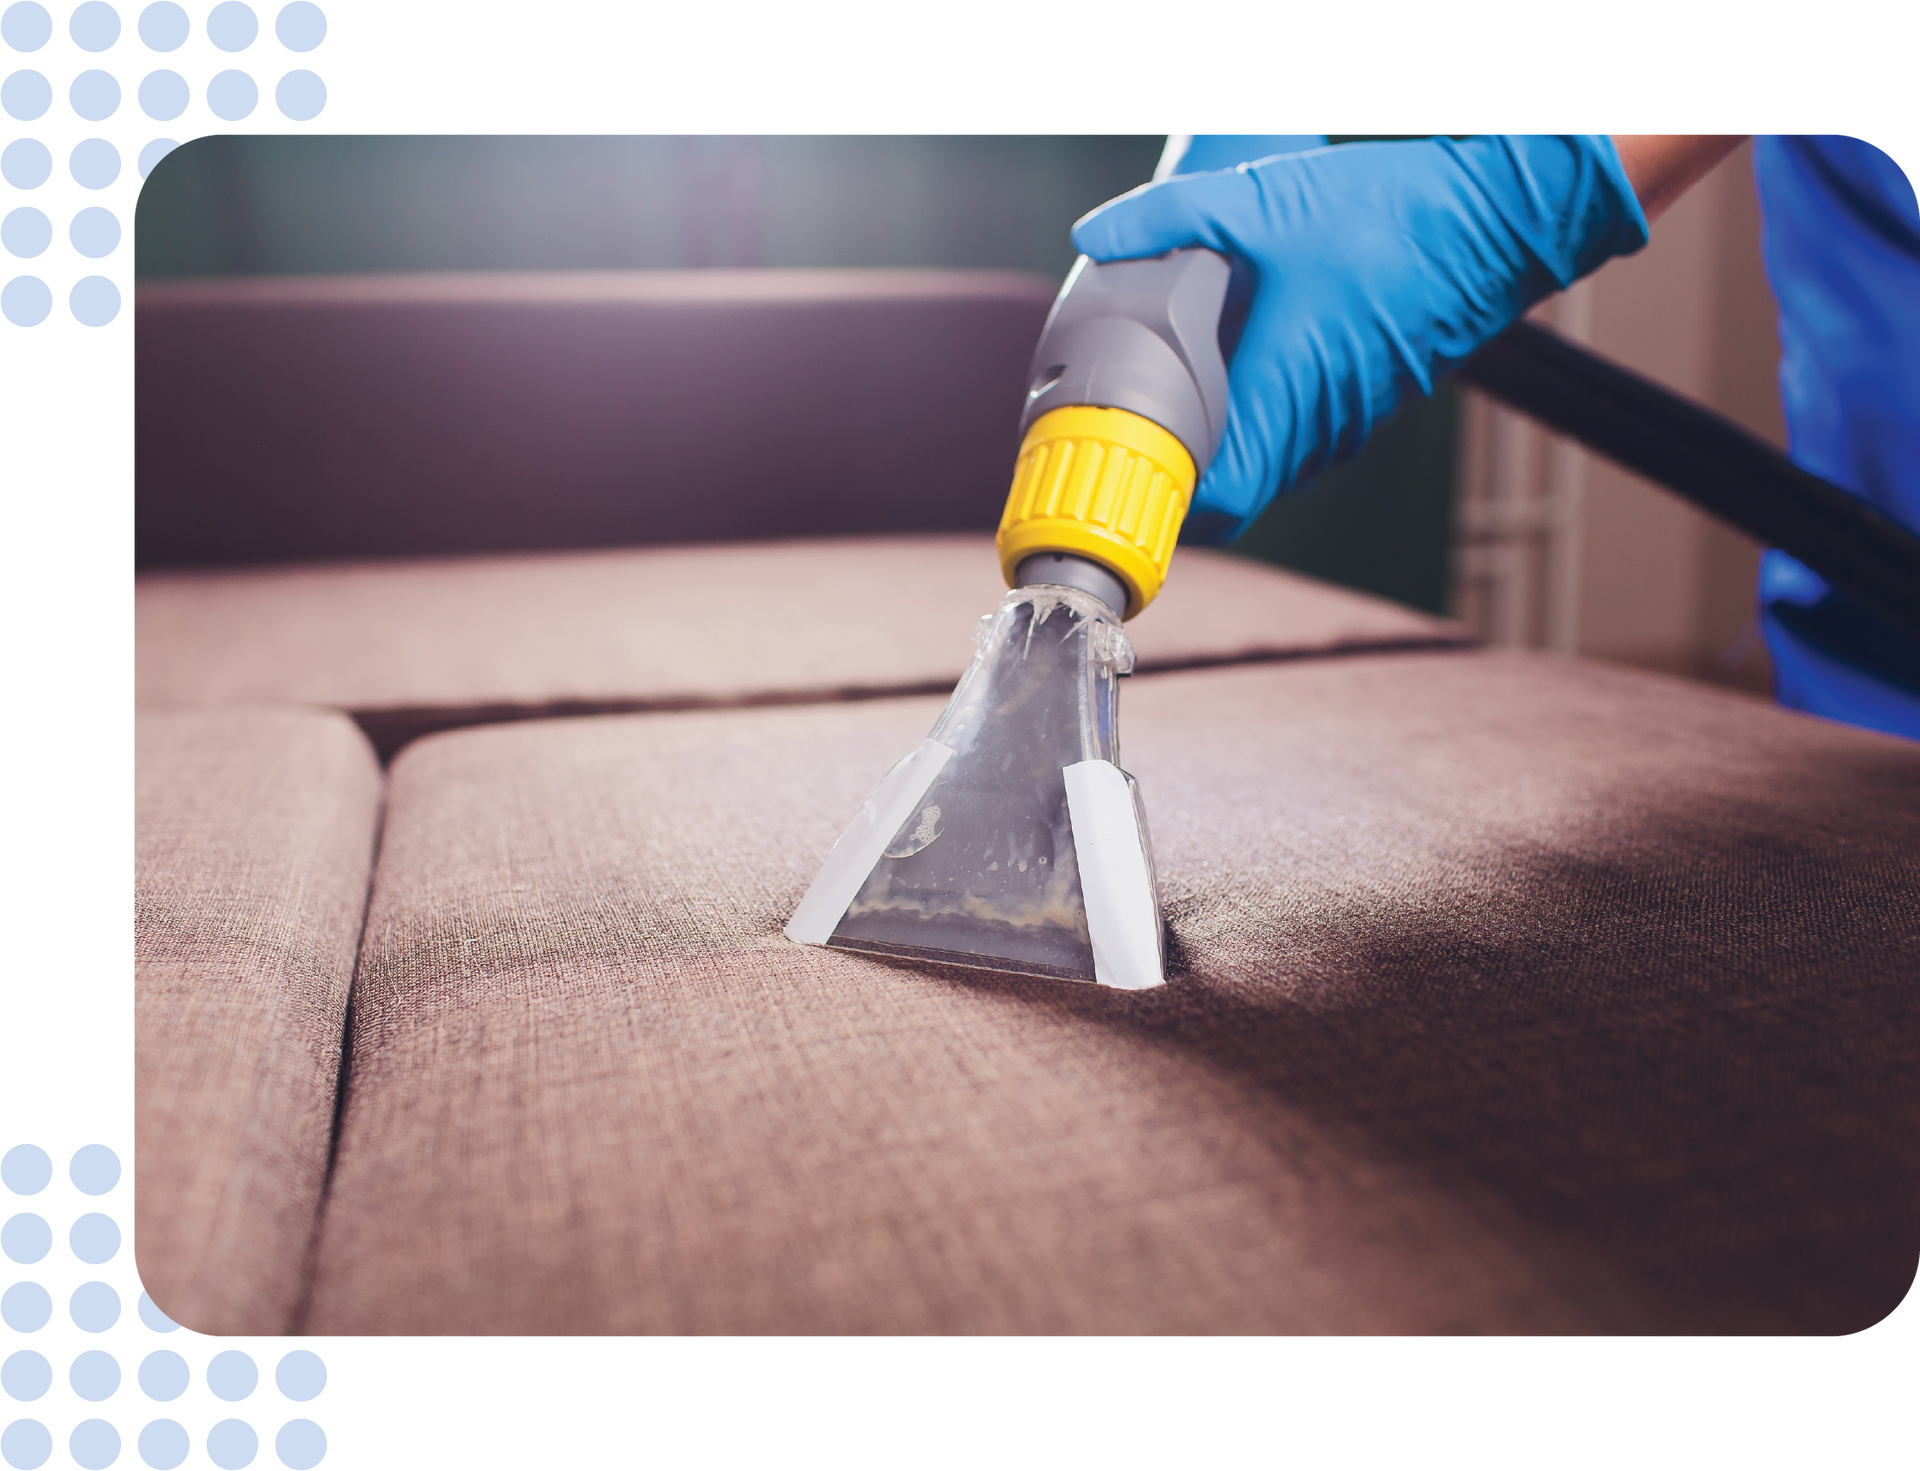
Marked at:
<point>1691,1059</point>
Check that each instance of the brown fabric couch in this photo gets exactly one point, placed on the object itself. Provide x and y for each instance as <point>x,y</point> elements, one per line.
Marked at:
<point>1508,992</point>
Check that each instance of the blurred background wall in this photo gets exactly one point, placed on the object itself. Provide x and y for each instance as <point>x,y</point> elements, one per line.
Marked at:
<point>282,205</point>
<point>1456,505</point>
<point>1560,549</point>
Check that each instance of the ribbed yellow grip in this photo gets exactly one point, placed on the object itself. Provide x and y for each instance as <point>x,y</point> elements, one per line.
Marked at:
<point>1100,483</point>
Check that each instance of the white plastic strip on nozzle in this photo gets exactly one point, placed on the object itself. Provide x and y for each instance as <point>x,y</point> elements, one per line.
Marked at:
<point>865,839</point>
<point>1122,918</point>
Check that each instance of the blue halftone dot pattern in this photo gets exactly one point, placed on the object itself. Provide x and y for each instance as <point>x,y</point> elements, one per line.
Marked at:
<point>164,27</point>
<point>25,95</point>
<point>95,1443</point>
<point>25,1443</point>
<point>25,233</point>
<point>152,152</point>
<point>231,1443</point>
<point>25,1239</point>
<point>33,95</point>
<point>300,27</point>
<point>96,1168</point>
<point>25,1168</point>
<point>95,1375</point>
<point>25,1375</point>
<point>25,27</point>
<point>148,1314</point>
<point>25,1306</point>
<point>300,1443</point>
<point>300,95</point>
<point>231,27</point>
<point>94,164</point>
<point>95,1306</point>
<point>164,1375</point>
<point>164,1443</point>
<point>95,300</point>
<point>25,168</point>
<point>300,1375</point>
<point>231,1375</point>
<point>164,95</point>
<point>231,95</point>
<point>95,1239</point>
<point>95,27</point>
<point>95,95</point>
<point>25,302</point>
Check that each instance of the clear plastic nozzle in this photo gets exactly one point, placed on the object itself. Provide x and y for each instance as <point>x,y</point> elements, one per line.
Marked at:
<point>983,871</point>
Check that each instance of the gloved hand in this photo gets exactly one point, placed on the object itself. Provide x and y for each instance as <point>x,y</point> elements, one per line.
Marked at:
<point>1376,267</point>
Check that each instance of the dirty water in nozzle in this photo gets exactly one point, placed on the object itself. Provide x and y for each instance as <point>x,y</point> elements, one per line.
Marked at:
<point>983,871</point>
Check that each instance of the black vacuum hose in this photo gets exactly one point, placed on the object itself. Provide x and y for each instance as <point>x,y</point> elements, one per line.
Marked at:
<point>1708,460</point>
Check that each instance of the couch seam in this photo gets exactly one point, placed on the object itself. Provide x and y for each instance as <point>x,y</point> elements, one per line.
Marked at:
<point>392,728</point>
<point>309,1264</point>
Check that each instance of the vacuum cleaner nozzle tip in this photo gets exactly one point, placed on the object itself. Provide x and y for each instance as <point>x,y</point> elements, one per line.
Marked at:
<point>1010,839</point>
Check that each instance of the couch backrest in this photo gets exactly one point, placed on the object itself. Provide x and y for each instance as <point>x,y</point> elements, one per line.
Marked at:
<point>299,418</point>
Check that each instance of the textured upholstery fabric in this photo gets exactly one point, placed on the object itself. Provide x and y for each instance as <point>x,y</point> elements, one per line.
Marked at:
<point>1508,994</point>
<point>453,413</point>
<point>255,836</point>
<point>418,646</point>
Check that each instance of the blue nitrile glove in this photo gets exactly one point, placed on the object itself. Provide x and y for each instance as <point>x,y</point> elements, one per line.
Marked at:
<point>1198,152</point>
<point>1377,266</point>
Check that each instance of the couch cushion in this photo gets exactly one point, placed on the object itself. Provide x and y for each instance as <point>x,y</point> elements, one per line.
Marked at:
<point>254,840</point>
<point>291,418</point>
<point>419,646</point>
<point>1508,994</point>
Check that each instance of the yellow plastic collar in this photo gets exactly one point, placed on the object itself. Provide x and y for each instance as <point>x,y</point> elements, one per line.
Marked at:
<point>1099,483</point>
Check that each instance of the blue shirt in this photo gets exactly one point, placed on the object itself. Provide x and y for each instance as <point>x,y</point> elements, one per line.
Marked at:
<point>1841,237</point>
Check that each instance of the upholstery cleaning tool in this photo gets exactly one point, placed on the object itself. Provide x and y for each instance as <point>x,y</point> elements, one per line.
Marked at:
<point>1011,839</point>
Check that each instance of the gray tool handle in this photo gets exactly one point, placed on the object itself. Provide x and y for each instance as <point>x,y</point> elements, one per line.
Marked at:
<point>1140,335</point>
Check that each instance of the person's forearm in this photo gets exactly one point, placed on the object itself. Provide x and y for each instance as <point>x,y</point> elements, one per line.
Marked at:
<point>1663,166</point>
